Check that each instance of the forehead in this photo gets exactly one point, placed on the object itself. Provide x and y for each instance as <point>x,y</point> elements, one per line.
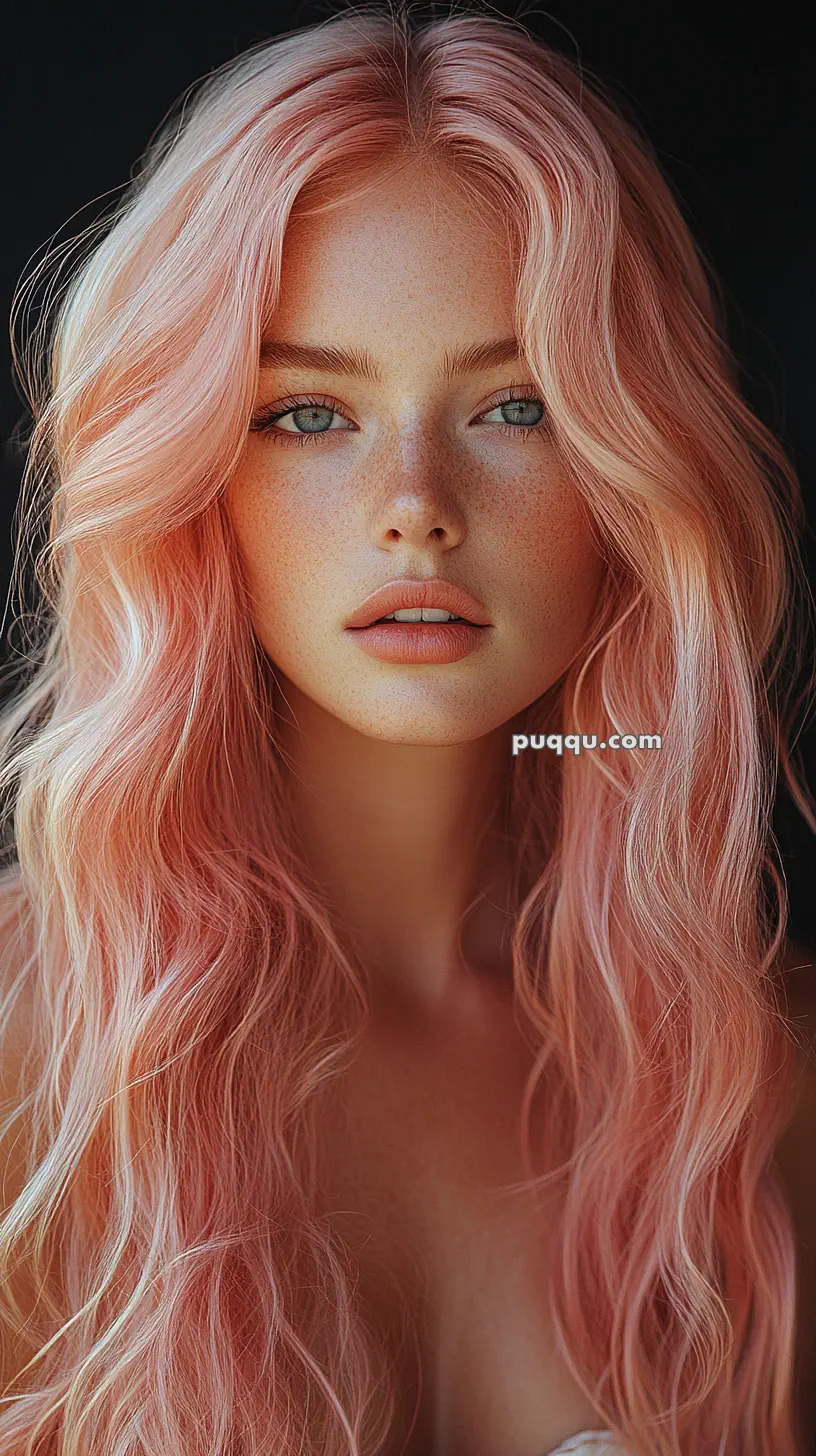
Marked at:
<point>415,246</point>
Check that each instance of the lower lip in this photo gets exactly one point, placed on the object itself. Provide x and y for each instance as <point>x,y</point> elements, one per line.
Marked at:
<point>415,642</point>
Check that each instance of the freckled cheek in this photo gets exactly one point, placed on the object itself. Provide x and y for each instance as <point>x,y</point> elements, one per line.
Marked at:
<point>553,564</point>
<point>289,538</point>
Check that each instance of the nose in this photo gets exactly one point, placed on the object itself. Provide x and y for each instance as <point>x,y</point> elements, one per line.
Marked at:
<point>418,518</point>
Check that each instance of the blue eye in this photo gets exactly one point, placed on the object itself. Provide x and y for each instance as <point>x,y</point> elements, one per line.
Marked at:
<point>520,411</point>
<point>311,417</point>
<point>309,414</point>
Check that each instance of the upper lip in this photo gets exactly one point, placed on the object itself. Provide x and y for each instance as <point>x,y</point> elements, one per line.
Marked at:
<point>429,593</point>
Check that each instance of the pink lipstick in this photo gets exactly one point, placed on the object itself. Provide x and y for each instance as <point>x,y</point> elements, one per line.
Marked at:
<point>415,622</point>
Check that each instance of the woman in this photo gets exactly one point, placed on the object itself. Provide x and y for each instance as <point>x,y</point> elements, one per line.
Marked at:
<point>398,1078</point>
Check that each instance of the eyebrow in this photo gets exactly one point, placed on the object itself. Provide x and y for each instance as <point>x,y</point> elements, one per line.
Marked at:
<point>359,362</point>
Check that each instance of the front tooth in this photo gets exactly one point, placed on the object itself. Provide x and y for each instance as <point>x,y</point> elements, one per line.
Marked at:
<point>421,614</point>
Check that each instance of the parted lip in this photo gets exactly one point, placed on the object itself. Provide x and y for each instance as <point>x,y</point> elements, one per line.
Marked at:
<point>396,595</point>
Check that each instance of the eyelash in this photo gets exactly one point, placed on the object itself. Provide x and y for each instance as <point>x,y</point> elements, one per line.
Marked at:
<point>266,420</point>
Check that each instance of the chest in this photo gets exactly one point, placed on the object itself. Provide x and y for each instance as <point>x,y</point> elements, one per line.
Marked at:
<point>419,1149</point>
<point>419,1146</point>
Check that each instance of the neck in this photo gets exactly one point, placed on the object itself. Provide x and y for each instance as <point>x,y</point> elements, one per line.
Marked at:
<point>407,841</point>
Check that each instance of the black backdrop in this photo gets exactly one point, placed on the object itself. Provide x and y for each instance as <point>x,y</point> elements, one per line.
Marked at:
<point>725,102</point>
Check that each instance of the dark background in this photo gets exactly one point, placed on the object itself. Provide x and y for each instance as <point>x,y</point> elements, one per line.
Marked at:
<point>725,103</point>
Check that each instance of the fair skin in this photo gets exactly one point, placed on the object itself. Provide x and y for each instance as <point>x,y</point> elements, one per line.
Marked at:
<point>398,768</point>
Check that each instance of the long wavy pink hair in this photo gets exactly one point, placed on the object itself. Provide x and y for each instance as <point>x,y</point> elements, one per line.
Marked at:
<point>189,992</point>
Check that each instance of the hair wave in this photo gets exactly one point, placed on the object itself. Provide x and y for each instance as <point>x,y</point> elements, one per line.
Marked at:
<point>189,1296</point>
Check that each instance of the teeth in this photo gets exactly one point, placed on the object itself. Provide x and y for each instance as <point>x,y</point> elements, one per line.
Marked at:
<point>421,614</point>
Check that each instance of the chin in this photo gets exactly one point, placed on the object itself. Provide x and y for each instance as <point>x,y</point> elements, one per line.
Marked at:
<point>430,714</point>
<point>423,735</point>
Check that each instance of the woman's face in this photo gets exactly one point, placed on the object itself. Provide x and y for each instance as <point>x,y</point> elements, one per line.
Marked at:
<point>408,475</point>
